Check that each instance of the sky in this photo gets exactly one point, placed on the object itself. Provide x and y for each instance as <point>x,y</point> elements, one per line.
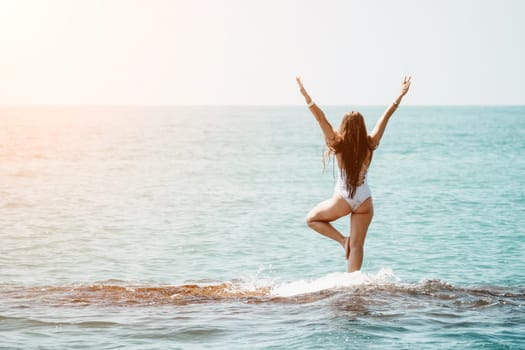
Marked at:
<point>244,52</point>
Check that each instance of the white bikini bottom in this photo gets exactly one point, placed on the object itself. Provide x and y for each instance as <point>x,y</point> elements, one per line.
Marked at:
<point>362,193</point>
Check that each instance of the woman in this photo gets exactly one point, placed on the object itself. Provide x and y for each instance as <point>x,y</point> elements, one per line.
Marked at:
<point>353,149</point>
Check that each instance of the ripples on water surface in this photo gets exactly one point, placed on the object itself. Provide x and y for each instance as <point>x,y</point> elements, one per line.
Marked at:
<point>184,228</point>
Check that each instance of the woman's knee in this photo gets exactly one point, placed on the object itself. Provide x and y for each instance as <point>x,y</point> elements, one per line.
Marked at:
<point>312,218</point>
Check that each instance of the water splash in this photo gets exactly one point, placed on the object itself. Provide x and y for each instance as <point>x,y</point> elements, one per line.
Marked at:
<point>336,280</point>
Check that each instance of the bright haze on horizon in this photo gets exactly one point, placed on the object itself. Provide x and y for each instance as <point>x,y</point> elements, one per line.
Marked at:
<point>241,52</point>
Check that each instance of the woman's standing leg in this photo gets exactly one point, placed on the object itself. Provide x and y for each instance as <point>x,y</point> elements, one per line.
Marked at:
<point>359,222</point>
<point>325,212</point>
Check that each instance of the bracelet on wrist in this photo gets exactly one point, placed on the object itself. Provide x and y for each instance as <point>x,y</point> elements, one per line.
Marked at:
<point>310,105</point>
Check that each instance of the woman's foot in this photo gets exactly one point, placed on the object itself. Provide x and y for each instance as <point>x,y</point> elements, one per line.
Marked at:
<point>347,247</point>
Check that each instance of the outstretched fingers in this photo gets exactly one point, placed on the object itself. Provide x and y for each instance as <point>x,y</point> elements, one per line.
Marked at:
<point>300,83</point>
<point>405,85</point>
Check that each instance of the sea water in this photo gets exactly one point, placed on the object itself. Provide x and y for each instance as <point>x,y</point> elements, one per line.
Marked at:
<point>183,228</point>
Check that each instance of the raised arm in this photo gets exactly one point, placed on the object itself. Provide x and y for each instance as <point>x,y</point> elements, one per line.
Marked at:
<point>379,129</point>
<point>327,129</point>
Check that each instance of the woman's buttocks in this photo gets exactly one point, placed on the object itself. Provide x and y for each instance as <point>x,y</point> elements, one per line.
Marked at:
<point>362,193</point>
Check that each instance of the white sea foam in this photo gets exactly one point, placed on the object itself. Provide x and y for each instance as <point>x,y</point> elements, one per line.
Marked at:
<point>333,281</point>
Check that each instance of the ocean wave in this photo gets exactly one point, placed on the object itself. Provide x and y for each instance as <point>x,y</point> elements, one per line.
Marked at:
<point>30,322</point>
<point>382,286</point>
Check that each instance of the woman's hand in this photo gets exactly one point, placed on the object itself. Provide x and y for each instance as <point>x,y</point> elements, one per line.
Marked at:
<point>303,90</point>
<point>405,85</point>
<point>301,87</point>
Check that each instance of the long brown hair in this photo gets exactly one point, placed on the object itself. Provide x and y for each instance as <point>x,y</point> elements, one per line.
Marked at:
<point>355,147</point>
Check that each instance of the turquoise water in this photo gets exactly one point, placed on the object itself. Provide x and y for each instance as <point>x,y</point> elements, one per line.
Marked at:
<point>184,228</point>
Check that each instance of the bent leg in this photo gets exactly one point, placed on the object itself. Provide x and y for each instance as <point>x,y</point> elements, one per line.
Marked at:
<point>360,220</point>
<point>323,213</point>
